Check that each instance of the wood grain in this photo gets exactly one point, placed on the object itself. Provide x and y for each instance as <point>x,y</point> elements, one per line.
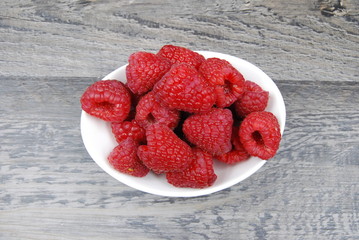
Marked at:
<point>51,51</point>
<point>51,189</point>
<point>289,41</point>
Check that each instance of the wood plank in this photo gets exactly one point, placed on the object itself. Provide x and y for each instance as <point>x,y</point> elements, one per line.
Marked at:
<point>291,41</point>
<point>50,188</point>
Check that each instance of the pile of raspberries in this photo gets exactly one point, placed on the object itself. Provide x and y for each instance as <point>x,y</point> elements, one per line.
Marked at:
<point>178,112</point>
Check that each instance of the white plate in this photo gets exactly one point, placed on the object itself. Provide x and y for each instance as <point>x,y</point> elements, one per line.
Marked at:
<point>99,141</point>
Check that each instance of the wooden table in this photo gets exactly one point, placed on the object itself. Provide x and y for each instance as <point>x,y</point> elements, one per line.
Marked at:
<point>50,51</point>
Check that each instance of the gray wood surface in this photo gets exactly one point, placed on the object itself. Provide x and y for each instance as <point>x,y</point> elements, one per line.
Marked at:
<point>50,51</point>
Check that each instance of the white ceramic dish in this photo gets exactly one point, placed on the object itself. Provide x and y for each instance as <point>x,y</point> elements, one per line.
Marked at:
<point>99,141</point>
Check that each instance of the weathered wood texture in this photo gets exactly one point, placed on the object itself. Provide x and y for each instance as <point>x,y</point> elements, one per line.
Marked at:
<point>50,188</point>
<point>287,39</point>
<point>51,51</point>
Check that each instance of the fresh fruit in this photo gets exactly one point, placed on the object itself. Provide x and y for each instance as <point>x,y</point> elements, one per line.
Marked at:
<point>199,174</point>
<point>227,81</point>
<point>260,134</point>
<point>128,129</point>
<point>144,69</point>
<point>108,100</point>
<point>164,152</point>
<point>178,54</point>
<point>238,153</point>
<point>124,159</point>
<point>150,111</point>
<point>210,131</point>
<point>179,112</point>
<point>254,99</point>
<point>184,89</point>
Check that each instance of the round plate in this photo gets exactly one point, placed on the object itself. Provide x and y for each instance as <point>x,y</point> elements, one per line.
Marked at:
<point>99,141</point>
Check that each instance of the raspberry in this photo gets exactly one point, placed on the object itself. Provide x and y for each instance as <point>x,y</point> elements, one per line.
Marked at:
<point>164,152</point>
<point>144,70</point>
<point>254,99</point>
<point>174,100</point>
<point>228,81</point>
<point>149,111</point>
<point>260,134</point>
<point>250,86</point>
<point>123,158</point>
<point>210,131</point>
<point>108,100</point>
<point>199,174</point>
<point>178,54</point>
<point>183,88</point>
<point>128,129</point>
<point>238,153</point>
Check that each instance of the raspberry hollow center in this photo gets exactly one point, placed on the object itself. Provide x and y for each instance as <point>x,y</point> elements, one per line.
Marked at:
<point>150,118</point>
<point>105,106</point>
<point>258,137</point>
<point>227,86</point>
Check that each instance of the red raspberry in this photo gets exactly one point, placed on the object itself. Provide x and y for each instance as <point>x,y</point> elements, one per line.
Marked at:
<point>238,153</point>
<point>124,159</point>
<point>144,70</point>
<point>210,131</point>
<point>164,152</point>
<point>108,100</point>
<point>128,129</point>
<point>254,99</point>
<point>260,134</point>
<point>199,174</point>
<point>228,81</point>
<point>183,88</point>
<point>178,54</point>
<point>149,111</point>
